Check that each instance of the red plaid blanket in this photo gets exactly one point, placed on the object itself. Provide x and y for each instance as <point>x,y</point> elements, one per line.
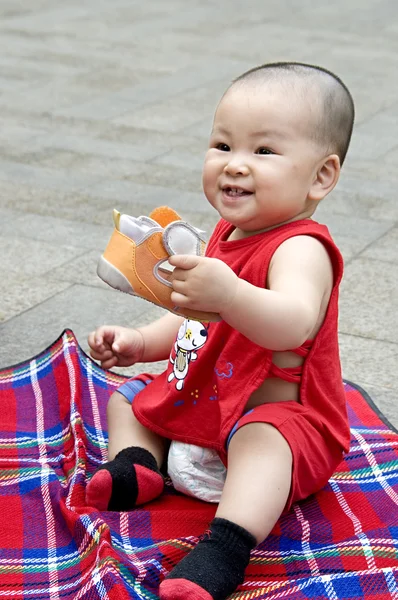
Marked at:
<point>340,544</point>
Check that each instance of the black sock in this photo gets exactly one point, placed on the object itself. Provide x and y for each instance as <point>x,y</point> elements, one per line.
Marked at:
<point>217,564</point>
<point>130,479</point>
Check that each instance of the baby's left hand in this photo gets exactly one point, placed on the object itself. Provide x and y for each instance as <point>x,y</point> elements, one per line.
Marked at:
<point>202,283</point>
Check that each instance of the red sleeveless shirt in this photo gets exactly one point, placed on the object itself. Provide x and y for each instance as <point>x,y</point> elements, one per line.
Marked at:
<point>214,369</point>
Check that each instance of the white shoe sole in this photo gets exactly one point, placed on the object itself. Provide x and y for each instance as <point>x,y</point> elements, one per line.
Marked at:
<point>113,277</point>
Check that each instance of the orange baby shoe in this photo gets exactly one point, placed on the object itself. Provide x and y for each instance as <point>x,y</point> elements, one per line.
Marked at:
<point>135,260</point>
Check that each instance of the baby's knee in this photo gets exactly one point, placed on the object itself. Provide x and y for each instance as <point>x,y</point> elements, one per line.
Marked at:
<point>116,403</point>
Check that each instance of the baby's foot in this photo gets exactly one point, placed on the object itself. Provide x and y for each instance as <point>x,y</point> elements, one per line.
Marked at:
<point>214,568</point>
<point>130,479</point>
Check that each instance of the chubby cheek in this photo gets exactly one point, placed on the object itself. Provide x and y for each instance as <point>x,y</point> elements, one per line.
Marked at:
<point>210,181</point>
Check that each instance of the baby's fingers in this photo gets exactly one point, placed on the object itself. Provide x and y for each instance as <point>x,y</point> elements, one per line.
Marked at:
<point>102,338</point>
<point>179,299</point>
<point>111,362</point>
<point>92,340</point>
<point>101,354</point>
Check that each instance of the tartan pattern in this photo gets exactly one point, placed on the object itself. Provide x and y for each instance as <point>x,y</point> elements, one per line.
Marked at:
<point>340,544</point>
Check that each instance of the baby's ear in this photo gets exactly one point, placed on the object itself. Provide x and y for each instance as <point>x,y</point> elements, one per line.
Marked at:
<point>326,178</point>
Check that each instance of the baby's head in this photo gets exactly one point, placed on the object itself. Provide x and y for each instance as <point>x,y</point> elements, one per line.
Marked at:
<point>280,136</point>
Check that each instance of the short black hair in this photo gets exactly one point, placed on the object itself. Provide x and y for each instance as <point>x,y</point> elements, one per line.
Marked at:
<point>333,128</point>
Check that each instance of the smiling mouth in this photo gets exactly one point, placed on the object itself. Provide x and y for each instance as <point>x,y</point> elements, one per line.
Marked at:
<point>235,192</point>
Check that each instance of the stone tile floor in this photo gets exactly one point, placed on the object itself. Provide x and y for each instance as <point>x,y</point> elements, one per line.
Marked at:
<point>108,105</point>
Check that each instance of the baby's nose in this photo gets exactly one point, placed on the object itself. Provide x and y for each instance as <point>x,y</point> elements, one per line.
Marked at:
<point>236,166</point>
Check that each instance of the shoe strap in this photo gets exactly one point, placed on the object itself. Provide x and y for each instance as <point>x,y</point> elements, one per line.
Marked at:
<point>164,215</point>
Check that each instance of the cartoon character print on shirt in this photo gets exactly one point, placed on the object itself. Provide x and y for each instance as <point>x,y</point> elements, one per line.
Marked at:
<point>191,336</point>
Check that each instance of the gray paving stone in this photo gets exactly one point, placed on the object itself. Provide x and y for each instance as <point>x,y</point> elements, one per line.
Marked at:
<point>380,208</point>
<point>54,231</point>
<point>19,137</point>
<point>49,97</point>
<point>83,270</point>
<point>366,230</point>
<point>364,184</point>
<point>7,218</point>
<point>201,128</point>
<point>97,54</point>
<point>349,247</point>
<point>351,234</point>
<point>157,367</point>
<point>385,249</point>
<point>232,44</point>
<point>163,175</point>
<point>392,28</point>
<point>128,193</point>
<point>391,158</point>
<point>47,48</point>
<point>34,199</point>
<point>369,300</point>
<point>377,136</point>
<point>10,9</point>
<point>26,257</point>
<point>344,16</point>
<point>65,180</point>
<point>80,308</point>
<point>52,17</point>
<point>121,103</point>
<point>113,77</point>
<point>163,118</point>
<point>39,69</point>
<point>384,169</point>
<point>10,81</point>
<point>162,141</point>
<point>181,157</point>
<point>98,147</point>
<point>20,293</point>
<point>369,362</point>
<point>102,166</point>
<point>40,125</point>
<point>178,112</point>
<point>156,172</point>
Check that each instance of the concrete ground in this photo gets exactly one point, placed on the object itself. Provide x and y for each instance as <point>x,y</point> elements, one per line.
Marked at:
<point>109,104</point>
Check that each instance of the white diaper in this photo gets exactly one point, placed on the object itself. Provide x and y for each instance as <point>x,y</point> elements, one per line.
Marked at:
<point>196,471</point>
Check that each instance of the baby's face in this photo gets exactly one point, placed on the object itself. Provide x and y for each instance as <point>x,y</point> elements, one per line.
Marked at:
<point>261,161</point>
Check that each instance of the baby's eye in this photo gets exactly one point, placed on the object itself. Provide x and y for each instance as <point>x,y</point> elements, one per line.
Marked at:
<point>223,147</point>
<point>263,150</point>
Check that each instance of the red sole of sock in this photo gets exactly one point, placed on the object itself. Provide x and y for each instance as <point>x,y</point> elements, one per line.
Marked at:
<point>181,589</point>
<point>99,490</point>
<point>150,484</point>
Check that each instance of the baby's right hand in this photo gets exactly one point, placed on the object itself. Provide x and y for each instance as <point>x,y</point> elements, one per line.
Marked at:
<point>116,346</point>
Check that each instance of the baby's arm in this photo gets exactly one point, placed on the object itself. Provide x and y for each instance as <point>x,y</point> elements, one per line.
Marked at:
<point>283,316</point>
<point>159,337</point>
<point>116,346</point>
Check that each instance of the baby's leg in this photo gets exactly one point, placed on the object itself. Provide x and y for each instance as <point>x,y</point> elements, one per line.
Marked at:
<point>258,480</point>
<point>132,475</point>
<point>255,493</point>
<point>124,430</point>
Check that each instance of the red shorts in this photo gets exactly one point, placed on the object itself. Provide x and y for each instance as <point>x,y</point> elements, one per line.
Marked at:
<point>315,453</point>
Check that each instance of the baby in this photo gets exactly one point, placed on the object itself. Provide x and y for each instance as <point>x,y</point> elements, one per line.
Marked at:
<point>261,388</point>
